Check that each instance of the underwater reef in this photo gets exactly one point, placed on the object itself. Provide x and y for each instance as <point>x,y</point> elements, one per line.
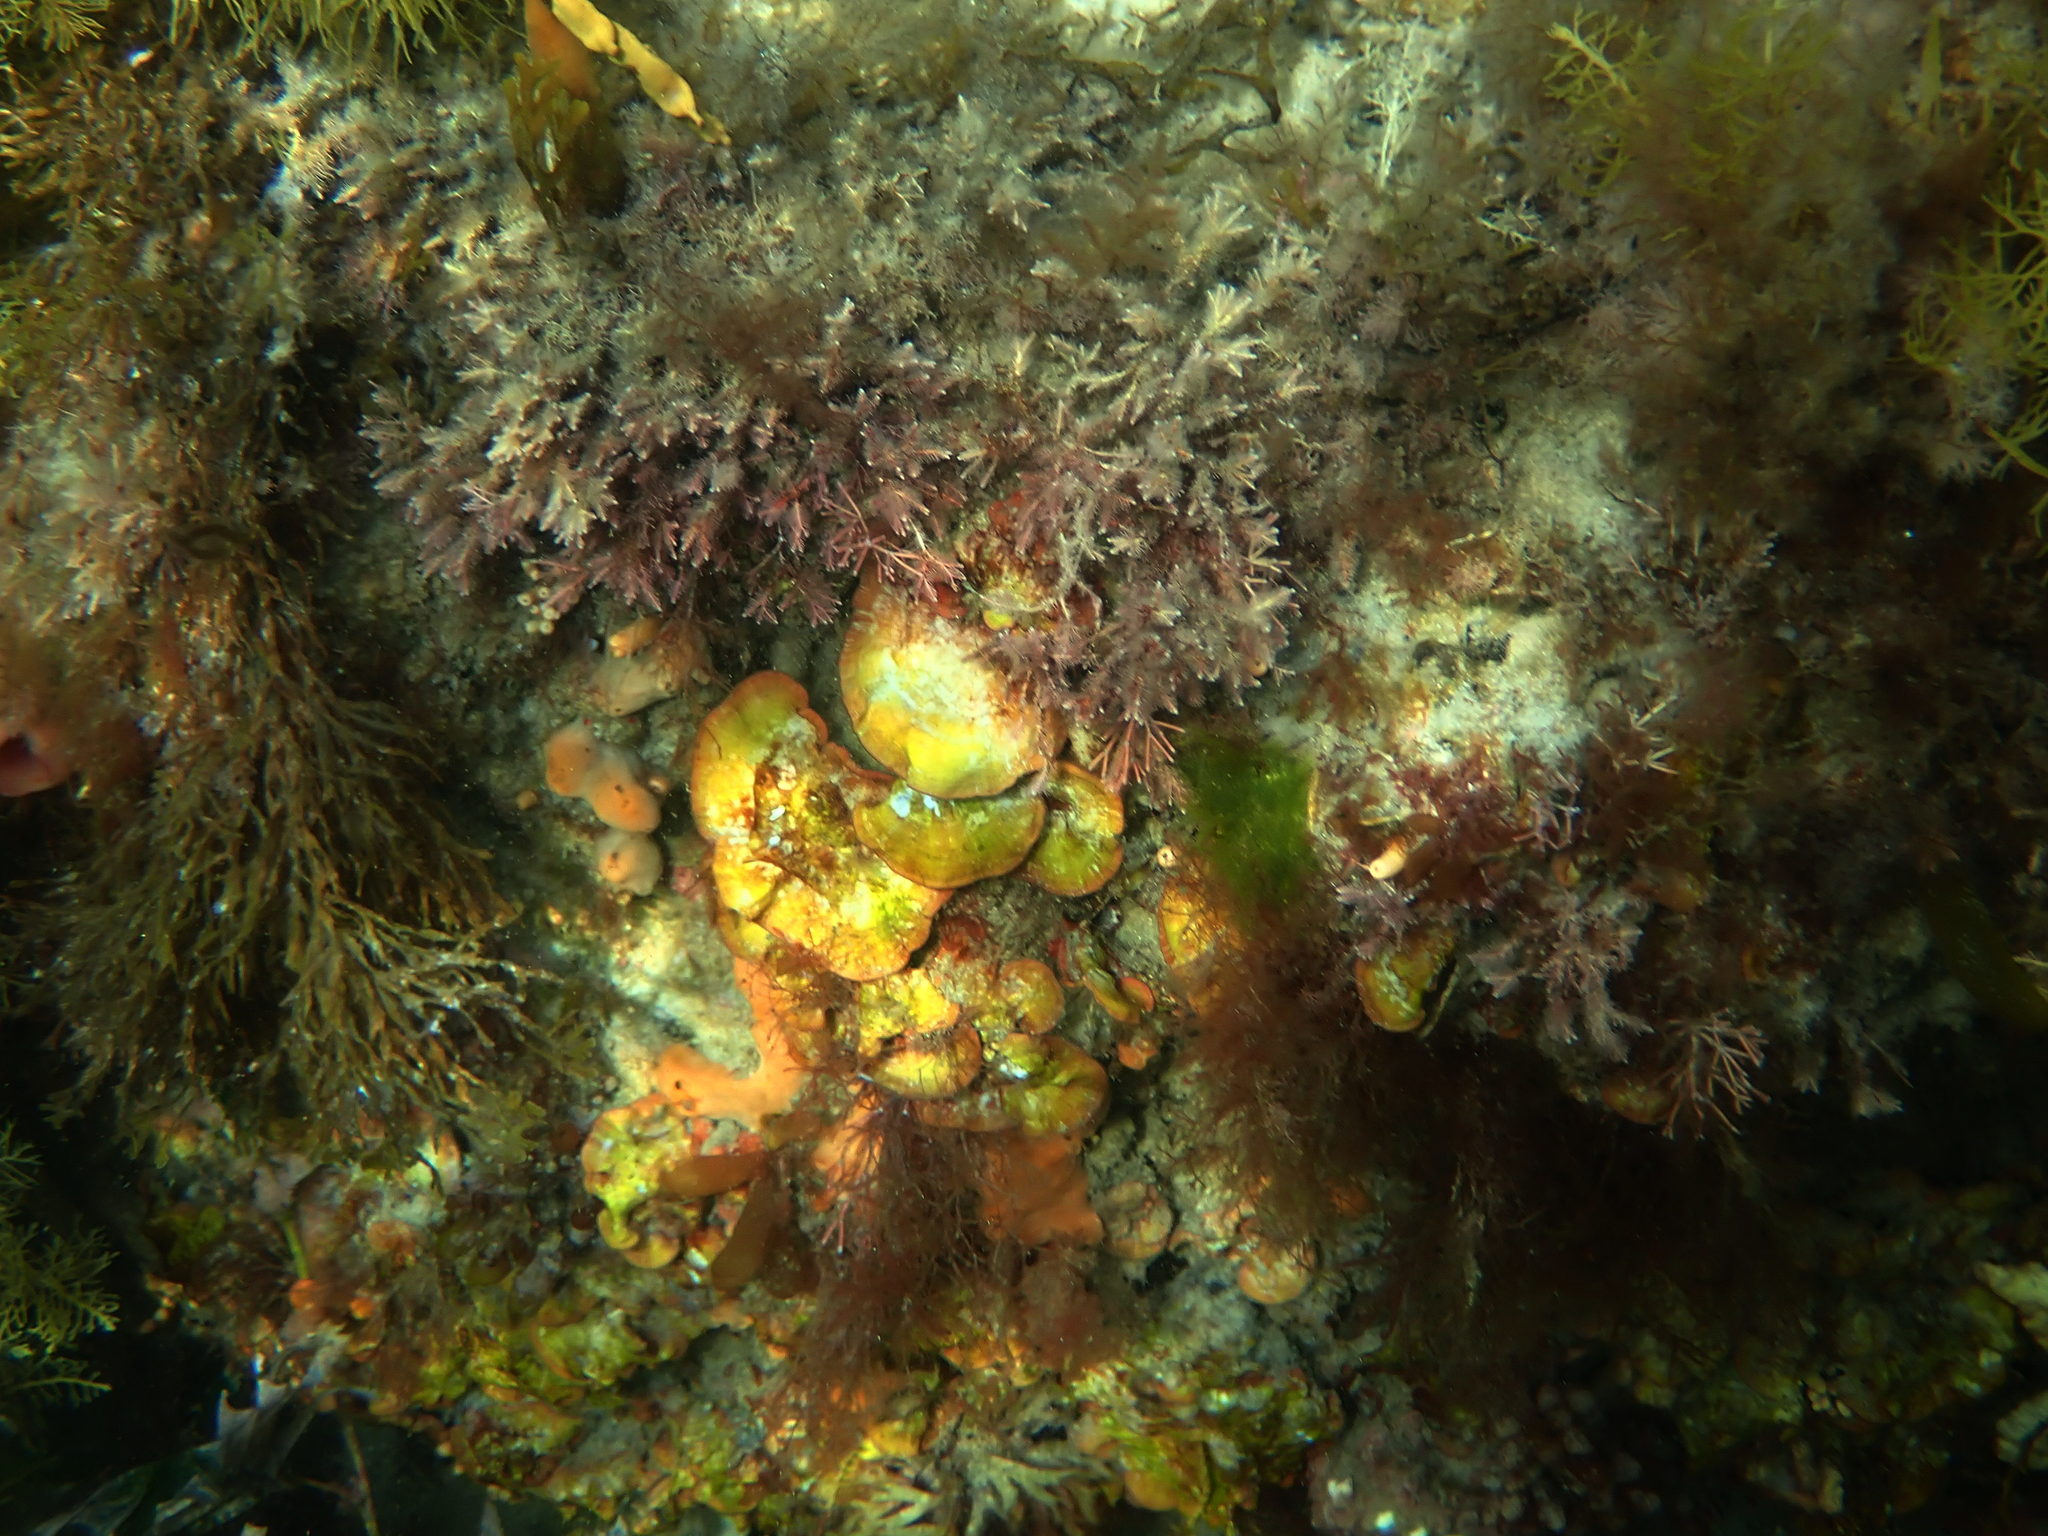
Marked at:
<point>800,766</point>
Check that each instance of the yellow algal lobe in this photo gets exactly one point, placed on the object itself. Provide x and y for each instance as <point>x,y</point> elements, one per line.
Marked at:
<point>949,843</point>
<point>931,705</point>
<point>1083,844</point>
<point>773,797</point>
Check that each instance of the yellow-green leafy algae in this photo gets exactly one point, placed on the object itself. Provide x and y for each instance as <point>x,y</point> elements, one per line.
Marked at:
<point>1196,1434</point>
<point>193,1230</point>
<point>694,1453</point>
<point>1899,1333</point>
<point>447,1317</point>
<point>624,1159</point>
<point>2024,1288</point>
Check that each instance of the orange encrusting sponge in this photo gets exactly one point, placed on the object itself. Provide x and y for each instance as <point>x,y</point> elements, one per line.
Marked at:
<point>604,777</point>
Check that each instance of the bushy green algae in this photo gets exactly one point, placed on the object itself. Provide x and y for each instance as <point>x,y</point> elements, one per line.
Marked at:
<point>1732,91</point>
<point>1894,1333</point>
<point>50,1291</point>
<point>360,27</point>
<point>55,25</point>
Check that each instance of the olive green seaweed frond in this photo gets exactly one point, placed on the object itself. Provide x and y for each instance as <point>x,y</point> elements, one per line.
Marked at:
<point>280,899</point>
<point>568,154</point>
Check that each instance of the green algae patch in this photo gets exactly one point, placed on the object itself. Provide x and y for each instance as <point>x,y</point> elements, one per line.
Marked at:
<point>1248,802</point>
